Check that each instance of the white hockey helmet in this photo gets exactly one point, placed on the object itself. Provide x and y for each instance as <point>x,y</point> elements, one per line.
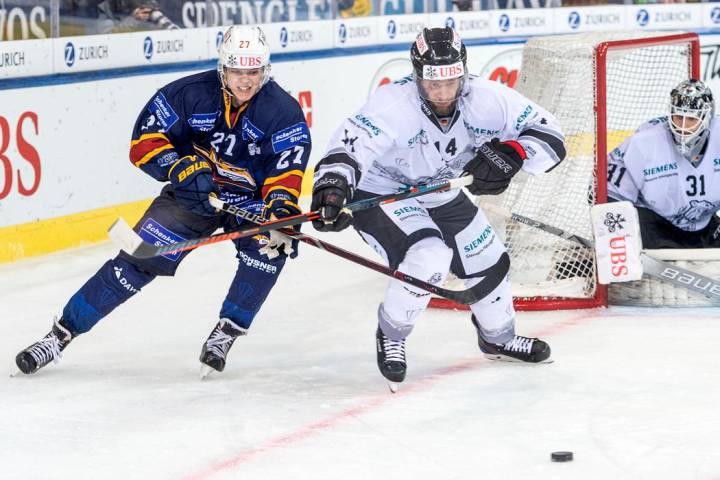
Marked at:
<point>244,47</point>
<point>691,110</point>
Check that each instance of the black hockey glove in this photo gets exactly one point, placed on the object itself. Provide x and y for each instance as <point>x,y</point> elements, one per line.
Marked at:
<point>192,182</point>
<point>280,207</point>
<point>494,165</point>
<point>330,193</point>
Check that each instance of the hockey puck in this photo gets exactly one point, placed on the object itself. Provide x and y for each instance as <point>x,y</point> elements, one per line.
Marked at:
<point>561,456</point>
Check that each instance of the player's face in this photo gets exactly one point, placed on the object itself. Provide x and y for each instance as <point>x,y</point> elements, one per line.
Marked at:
<point>686,124</point>
<point>243,84</point>
<point>441,93</point>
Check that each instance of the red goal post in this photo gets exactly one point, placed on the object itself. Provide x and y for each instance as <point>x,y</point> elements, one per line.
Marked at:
<point>601,87</point>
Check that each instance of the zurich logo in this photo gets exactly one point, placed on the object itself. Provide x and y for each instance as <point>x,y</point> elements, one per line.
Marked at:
<point>283,37</point>
<point>148,47</point>
<point>69,54</point>
<point>218,39</point>
<point>642,17</point>
<point>450,22</point>
<point>715,15</point>
<point>574,20</point>
<point>504,22</point>
<point>342,33</point>
<point>391,29</point>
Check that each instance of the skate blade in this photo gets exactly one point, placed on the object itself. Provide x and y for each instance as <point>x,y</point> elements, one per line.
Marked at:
<point>17,373</point>
<point>205,372</point>
<point>393,387</point>
<point>503,358</point>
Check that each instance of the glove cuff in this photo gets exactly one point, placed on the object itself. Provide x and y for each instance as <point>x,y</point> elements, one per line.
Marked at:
<point>516,147</point>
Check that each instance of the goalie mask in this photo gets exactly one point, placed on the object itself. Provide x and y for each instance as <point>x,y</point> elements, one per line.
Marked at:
<point>691,110</point>
<point>439,61</point>
<point>243,48</point>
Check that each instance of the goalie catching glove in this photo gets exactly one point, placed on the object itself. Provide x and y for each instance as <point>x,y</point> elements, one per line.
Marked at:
<point>330,194</point>
<point>494,165</point>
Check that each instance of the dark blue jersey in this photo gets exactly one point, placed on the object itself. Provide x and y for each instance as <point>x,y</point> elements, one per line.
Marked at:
<point>258,151</point>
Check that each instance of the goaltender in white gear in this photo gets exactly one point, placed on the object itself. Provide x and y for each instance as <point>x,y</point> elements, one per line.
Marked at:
<point>433,126</point>
<point>670,170</point>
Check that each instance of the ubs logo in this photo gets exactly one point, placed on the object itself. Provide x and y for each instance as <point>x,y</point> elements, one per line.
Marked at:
<point>342,33</point>
<point>283,37</point>
<point>715,15</point>
<point>574,20</point>
<point>642,17</point>
<point>148,48</point>
<point>450,22</point>
<point>69,54</point>
<point>391,29</point>
<point>504,22</point>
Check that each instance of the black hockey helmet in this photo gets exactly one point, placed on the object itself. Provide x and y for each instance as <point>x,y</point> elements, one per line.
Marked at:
<point>438,54</point>
<point>435,47</point>
<point>691,102</point>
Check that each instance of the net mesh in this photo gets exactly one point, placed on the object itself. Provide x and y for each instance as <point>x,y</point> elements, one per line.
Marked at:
<point>559,74</point>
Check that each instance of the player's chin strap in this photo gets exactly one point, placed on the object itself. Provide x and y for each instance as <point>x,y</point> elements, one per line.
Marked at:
<point>142,249</point>
<point>653,267</point>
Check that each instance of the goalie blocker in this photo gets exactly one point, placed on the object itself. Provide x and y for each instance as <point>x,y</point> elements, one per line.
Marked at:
<point>618,243</point>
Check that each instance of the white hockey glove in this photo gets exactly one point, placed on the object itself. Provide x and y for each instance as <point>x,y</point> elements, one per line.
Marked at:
<point>278,244</point>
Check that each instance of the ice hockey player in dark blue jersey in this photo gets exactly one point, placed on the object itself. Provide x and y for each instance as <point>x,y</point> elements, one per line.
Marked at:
<point>233,133</point>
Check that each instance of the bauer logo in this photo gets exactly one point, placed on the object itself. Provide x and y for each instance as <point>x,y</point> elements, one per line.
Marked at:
<point>715,15</point>
<point>283,37</point>
<point>574,20</point>
<point>450,22</point>
<point>69,54</point>
<point>391,29</point>
<point>148,48</point>
<point>504,22</point>
<point>642,17</point>
<point>342,33</point>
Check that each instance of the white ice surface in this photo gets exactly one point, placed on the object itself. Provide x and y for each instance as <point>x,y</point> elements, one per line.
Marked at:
<point>634,393</point>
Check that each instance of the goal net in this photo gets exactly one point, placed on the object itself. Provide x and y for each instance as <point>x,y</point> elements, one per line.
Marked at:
<point>601,87</point>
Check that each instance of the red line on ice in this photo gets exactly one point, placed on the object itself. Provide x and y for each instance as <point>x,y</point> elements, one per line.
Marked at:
<point>331,421</point>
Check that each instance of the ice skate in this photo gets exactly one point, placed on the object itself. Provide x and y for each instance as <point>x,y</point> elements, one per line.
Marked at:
<point>50,348</point>
<point>391,359</point>
<point>216,347</point>
<point>519,349</point>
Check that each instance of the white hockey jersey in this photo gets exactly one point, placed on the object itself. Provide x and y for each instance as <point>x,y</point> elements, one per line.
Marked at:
<point>648,171</point>
<point>395,141</point>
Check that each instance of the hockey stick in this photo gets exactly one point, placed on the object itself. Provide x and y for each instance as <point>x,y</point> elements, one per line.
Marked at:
<point>143,249</point>
<point>492,276</point>
<point>125,237</point>
<point>651,266</point>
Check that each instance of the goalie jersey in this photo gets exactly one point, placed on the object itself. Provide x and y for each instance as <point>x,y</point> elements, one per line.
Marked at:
<point>257,152</point>
<point>648,171</point>
<point>395,140</point>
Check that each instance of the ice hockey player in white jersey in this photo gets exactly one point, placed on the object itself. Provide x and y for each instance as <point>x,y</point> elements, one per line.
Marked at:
<point>670,170</point>
<point>434,125</point>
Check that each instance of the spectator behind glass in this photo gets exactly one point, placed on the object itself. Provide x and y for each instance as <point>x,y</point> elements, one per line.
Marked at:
<point>128,15</point>
<point>354,8</point>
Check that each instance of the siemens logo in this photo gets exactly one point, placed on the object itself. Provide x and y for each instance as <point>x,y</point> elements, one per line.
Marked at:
<point>668,167</point>
<point>479,240</point>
